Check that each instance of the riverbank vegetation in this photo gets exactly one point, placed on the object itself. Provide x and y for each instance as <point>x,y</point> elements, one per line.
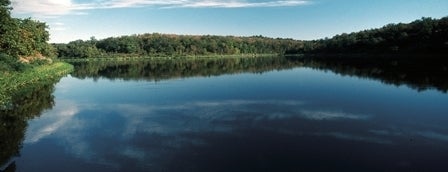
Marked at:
<point>13,84</point>
<point>25,56</point>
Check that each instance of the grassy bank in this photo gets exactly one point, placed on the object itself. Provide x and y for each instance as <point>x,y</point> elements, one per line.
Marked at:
<point>12,83</point>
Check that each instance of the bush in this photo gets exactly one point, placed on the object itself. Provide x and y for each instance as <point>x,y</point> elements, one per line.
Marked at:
<point>5,63</point>
<point>9,63</point>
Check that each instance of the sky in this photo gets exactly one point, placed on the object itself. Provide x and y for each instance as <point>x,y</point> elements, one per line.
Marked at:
<point>71,20</point>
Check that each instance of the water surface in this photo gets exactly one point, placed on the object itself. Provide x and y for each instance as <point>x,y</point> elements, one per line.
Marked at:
<point>292,118</point>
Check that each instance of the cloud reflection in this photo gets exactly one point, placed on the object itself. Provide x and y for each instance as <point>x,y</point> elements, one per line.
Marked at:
<point>434,135</point>
<point>327,115</point>
<point>108,134</point>
<point>133,153</point>
<point>51,121</point>
<point>354,137</point>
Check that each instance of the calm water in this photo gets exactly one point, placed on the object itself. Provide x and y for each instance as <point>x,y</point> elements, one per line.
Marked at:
<point>295,119</point>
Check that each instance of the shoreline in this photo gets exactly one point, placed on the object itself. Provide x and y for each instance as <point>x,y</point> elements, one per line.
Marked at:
<point>14,83</point>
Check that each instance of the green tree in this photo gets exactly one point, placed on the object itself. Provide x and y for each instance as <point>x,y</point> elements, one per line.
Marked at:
<point>22,38</point>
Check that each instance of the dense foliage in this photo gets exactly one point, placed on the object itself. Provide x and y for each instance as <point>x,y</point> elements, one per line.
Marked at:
<point>175,45</point>
<point>426,35</point>
<point>21,39</point>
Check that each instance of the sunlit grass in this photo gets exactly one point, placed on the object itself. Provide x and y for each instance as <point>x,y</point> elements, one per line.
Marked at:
<point>13,82</point>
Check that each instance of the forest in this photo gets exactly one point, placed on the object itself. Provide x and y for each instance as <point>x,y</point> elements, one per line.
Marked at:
<point>157,44</point>
<point>423,36</point>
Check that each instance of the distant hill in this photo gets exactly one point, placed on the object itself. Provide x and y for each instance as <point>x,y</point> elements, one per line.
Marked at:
<point>425,35</point>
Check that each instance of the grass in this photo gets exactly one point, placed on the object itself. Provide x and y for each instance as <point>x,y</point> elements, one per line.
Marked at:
<point>13,82</point>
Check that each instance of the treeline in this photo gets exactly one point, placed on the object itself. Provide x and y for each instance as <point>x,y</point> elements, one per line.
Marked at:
<point>21,40</point>
<point>423,36</point>
<point>156,44</point>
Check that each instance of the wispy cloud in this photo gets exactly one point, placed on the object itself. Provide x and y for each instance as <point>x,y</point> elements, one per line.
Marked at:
<point>239,4</point>
<point>140,3</point>
<point>52,8</point>
<point>49,8</point>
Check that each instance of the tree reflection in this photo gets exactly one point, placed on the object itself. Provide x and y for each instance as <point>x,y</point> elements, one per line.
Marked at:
<point>155,70</point>
<point>26,105</point>
<point>419,73</point>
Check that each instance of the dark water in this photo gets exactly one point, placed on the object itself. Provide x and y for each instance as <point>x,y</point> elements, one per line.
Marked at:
<point>284,116</point>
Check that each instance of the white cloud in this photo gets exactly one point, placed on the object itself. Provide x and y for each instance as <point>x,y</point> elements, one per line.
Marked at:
<point>52,8</point>
<point>141,3</point>
<point>48,8</point>
<point>240,4</point>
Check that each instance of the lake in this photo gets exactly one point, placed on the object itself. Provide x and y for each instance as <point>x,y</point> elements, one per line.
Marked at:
<point>230,115</point>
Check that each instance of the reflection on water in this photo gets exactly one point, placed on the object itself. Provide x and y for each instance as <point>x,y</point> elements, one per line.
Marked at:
<point>169,69</point>
<point>299,119</point>
<point>13,121</point>
<point>419,73</point>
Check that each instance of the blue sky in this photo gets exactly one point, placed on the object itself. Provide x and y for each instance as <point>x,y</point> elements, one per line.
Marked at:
<point>298,19</point>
